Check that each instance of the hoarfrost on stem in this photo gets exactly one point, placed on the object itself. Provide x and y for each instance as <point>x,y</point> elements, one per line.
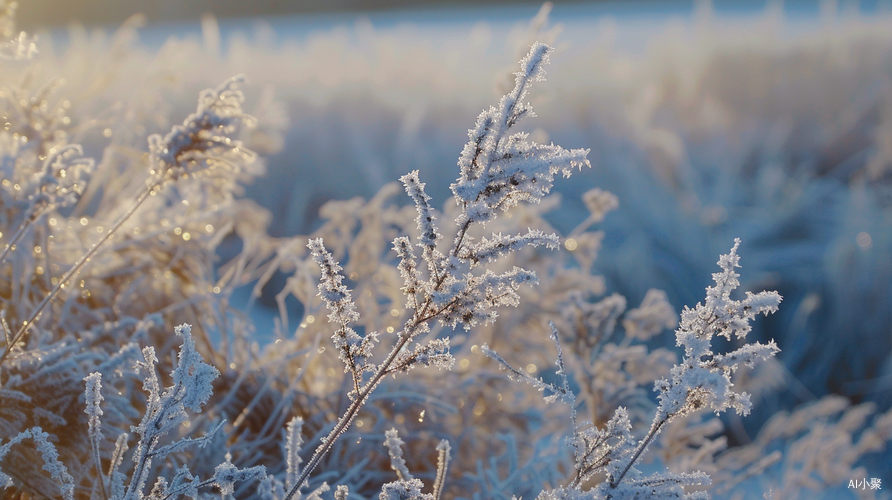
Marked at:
<point>701,380</point>
<point>407,487</point>
<point>498,171</point>
<point>165,411</point>
<point>205,139</point>
<point>50,457</point>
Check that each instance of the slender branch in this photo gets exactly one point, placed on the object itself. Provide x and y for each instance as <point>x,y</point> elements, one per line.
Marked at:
<point>471,170</point>
<point>580,464</point>
<point>654,430</point>
<point>461,236</point>
<point>442,467</point>
<point>75,269</point>
<point>178,492</point>
<point>347,418</point>
<point>98,464</point>
<point>15,238</point>
<point>596,464</point>
<point>356,375</point>
<point>437,313</point>
<point>117,457</point>
<point>146,452</point>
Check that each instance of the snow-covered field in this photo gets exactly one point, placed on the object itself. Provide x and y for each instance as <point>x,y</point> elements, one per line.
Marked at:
<point>708,124</point>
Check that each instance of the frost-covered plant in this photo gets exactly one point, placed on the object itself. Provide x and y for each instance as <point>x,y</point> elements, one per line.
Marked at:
<point>157,270</point>
<point>167,408</point>
<point>271,488</point>
<point>144,267</point>
<point>470,404</point>
<point>498,170</point>
<point>701,381</point>
<point>205,140</point>
<point>408,487</point>
<point>48,454</point>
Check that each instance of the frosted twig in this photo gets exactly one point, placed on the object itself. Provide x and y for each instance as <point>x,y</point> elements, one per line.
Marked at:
<point>497,172</point>
<point>293,442</point>
<point>201,142</point>
<point>443,458</point>
<point>703,379</point>
<point>93,398</point>
<point>395,450</point>
<point>50,457</point>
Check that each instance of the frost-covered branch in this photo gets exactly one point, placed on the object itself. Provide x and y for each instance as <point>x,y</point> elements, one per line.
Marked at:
<point>207,138</point>
<point>394,446</point>
<point>293,442</point>
<point>497,171</point>
<point>50,456</point>
<point>93,398</point>
<point>354,351</point>
<point>166,410</point>
<point>407,487</point>
<point>701,380</point>
<point>204,141</point>
<point>560,393</point>
<point>443,456</point>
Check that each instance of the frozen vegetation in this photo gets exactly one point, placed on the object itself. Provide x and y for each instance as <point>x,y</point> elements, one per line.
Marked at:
<point>132,368</point>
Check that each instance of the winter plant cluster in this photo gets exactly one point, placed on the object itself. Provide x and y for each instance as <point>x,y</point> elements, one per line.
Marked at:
<point>701,381</point>
<point>128,373</point>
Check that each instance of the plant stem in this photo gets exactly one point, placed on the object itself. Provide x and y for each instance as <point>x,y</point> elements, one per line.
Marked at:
<point>18,234</point>
<point>357,404</point>
<point>361,396</point>
<point>654,430</point>
<point>76,269</point>
<point>98,464</point>
<point>347,418</point>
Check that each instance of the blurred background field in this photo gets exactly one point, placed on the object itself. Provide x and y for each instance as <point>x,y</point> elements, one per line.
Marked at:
<point>772,123</point>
